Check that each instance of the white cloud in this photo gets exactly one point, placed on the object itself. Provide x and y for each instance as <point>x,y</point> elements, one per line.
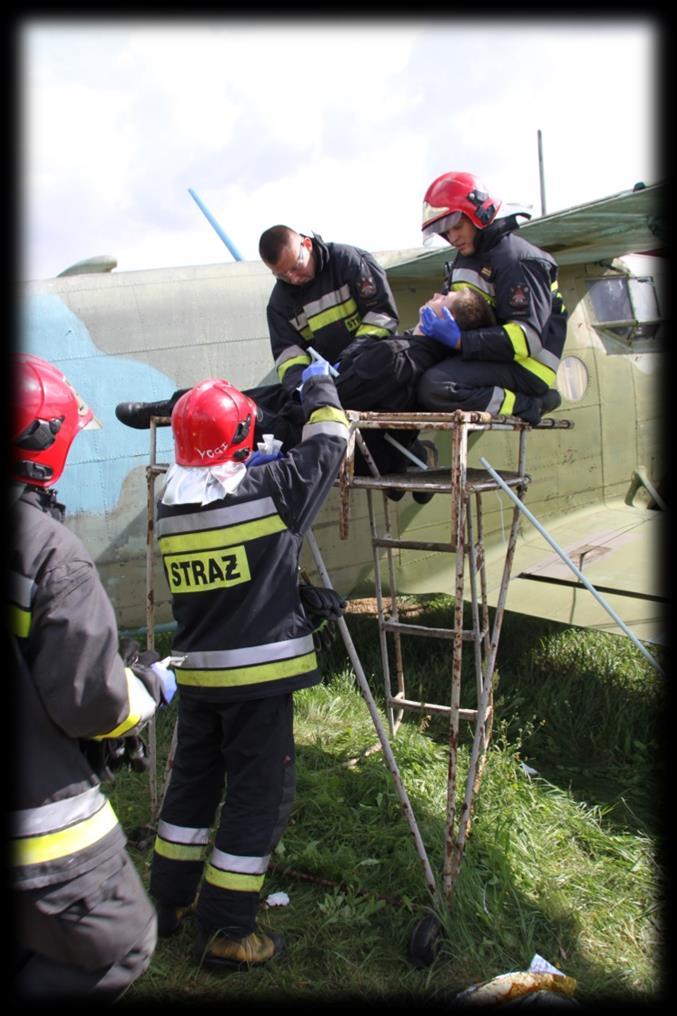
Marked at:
<point>336,126</point>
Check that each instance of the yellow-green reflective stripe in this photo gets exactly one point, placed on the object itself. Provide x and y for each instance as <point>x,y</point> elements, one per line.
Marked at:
<point>530,363</point>
<point>19,621</point>
<point>508,404</point>
<point>554,289</point>
<point>207,570</point>
<point>233,880</point>
<point>468,285</point>
<point>283,368</point>
<point>213,539</point>
<point>332,314</point>
<point>546,374</point>
<point>38,849</point>
<point>379,333</point>
<point>236,676</point>
<point>179,851</point>
<point>135,698</point>
<point>517,340</point>
<point>328,413</point>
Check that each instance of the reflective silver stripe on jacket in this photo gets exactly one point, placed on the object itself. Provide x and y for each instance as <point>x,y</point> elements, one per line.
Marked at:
<point>221,659</point>
<point>472,278</point>
<point>331,429</point>
<point>217,519</point>
<point>535,346</point>
<point>237,862</point>
<point>380,320</point>
<point>291,353</point>
<point>21,589</point>
<point>324,302</point>
<point>47,818</point>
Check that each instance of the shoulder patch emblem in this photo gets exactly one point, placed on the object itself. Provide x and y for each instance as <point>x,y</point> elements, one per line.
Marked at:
<point>366,286</point>
<point>519,297</point>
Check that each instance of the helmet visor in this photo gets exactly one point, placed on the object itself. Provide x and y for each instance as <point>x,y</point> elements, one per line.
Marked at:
<point>439,228</point>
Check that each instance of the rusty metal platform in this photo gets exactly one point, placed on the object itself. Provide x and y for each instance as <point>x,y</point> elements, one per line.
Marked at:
<point>465,486</point>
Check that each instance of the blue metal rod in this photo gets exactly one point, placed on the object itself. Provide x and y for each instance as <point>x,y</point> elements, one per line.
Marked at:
<point>567,560</point>
<point>212,221</point>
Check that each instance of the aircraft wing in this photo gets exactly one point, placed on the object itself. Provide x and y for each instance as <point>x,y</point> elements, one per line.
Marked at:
<point>615,546</point>
<point>629,222</point>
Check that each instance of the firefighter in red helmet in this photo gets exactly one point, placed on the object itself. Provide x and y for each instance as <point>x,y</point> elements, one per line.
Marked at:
<point>509,368</point>
<point>230,525</point>
<point>85,926</point>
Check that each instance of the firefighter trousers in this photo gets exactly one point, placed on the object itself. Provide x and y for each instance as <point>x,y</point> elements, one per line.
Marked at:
<point>90,937</point>
<point>248,747</point>
<point>487,385</point>
<point>374,375</point>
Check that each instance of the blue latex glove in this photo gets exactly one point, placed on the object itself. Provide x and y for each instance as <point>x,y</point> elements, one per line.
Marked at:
<point>167,679</point>
<point>258,458</point>
<point>319,368</point>
<point>443,330</point>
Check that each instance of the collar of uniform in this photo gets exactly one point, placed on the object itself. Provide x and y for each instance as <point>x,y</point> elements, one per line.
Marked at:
<point>499,228</point>
<point>44,499</point>
<point>201,484</point>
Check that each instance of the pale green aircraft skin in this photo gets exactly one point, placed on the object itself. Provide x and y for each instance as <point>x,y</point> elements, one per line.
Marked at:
<point>139,335</point>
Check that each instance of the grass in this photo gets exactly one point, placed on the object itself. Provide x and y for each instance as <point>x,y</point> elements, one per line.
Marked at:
<point>563,861</point>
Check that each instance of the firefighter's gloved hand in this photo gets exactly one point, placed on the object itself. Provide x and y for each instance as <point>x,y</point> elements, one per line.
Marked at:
<point>167,679</point>
<point>129,651</point>
<point>140,663</point>
<point>443,330</point>
<point>321,602</point>
<point>318,369</point>
<point>322,607</point>
<point>97,755</point>
<point>258,458</point>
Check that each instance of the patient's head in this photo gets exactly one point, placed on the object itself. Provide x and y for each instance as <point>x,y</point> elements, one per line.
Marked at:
<point>468,306</point>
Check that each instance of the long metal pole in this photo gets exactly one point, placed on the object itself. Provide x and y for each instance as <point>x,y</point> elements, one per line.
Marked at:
<point>212,222</point>
<point>378,724</point>
<point>541,172</point>
<point>567,560</point>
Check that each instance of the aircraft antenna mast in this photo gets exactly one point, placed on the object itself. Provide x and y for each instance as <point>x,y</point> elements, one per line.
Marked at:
<point>541,173</point>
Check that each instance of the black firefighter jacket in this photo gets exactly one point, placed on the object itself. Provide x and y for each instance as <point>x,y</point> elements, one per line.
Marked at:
<point>71,684</point>
<point>232,567</point>
<point>349,298</point>
<point>519,281</point>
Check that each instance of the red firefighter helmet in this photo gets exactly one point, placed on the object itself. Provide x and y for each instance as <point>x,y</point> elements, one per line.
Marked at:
<point>47,415</point>
<point>453,194</point>
<point>212,423</point>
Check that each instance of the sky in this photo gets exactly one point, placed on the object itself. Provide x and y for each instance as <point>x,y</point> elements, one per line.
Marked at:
<point>330,126</point>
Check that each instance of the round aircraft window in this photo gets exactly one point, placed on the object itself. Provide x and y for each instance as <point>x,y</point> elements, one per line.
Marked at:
<point>572,378</point>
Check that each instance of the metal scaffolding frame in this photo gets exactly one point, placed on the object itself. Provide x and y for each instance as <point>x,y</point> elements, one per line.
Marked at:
<point>466,487</point>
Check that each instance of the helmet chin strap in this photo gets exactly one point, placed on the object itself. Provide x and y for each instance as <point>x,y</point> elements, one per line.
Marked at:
<point>34,472</point>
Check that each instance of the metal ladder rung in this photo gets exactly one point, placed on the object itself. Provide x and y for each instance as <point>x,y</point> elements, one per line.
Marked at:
<point>467,635</point>
<point>434,707</point>
<point>393,542</point>
<point>438,481</point>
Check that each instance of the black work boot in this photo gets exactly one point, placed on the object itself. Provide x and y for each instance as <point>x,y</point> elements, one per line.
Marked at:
<point>138,414</point>
<point>216,952</point>
<point>170,917</point>
<point>427,451</point>
<point>551,401</point>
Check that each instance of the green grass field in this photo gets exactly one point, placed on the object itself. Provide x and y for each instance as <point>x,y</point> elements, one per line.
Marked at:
<point>564,857</point>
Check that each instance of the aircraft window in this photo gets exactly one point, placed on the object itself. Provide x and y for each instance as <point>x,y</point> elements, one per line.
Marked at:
<point>625,307</point>
<point>572,378</point>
